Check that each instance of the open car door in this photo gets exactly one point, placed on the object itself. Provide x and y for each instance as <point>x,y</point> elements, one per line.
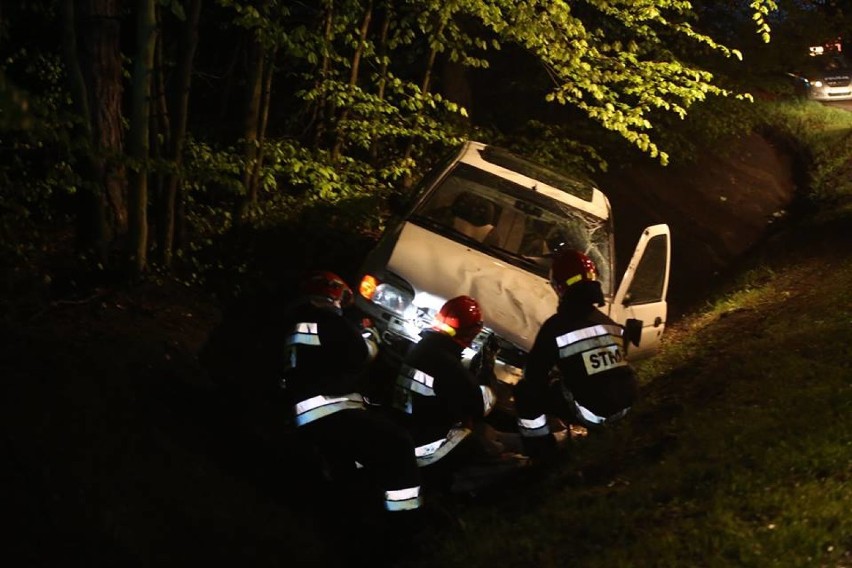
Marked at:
<point>642,292</point>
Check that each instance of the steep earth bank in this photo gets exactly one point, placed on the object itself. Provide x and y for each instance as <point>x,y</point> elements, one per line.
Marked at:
<point>718,209</point>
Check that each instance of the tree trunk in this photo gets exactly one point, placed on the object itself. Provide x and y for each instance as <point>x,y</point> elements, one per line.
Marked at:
<point>93,58</point>
<point>353,79</point>
<point>137,139</point>
<point>172,215</point>
<point>229,79</point>
<point>160,139</point>
<point>455,85</point>
<point>319,111</point>
<point>91,217</point>
<point>383,71</point>
<point>251,122</point>
<point>266,102</point>
<point>424,89</point>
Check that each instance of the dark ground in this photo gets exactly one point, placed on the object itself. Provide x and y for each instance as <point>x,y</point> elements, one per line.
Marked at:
<point>120,449</point>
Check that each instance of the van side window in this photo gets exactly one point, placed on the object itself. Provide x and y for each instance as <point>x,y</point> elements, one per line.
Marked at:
<point>647,285</point>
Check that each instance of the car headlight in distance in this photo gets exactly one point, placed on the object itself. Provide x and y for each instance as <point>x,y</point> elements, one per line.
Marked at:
<point>384,295</point>
<point>817,84</point>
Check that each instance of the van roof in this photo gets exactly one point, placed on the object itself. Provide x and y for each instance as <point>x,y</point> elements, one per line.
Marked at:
<point>573,190</point>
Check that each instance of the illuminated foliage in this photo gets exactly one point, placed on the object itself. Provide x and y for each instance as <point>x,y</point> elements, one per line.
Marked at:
<point>337,99</point>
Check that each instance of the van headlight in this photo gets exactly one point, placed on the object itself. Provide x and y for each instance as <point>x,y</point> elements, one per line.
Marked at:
<point>391,298</point>
<point>385,295</point>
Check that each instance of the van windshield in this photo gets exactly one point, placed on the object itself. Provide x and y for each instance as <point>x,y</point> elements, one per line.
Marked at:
<point>577,186</point>
<point>513,222</point>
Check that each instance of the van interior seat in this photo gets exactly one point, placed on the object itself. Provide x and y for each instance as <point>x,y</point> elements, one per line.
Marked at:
<point>474,209</point>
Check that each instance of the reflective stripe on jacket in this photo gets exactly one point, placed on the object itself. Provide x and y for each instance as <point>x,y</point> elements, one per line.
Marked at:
<point>533,428</point>
<point>587,349</point>
<point>317,407</point>
<point>590,416</point>
<point>403,499</point>
<point>601,347</point>
<point>434,451</point>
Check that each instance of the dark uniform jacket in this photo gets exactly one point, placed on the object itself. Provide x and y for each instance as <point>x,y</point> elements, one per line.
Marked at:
<point>434,392</point>
<point>588,349</point>
<point>324,354</point>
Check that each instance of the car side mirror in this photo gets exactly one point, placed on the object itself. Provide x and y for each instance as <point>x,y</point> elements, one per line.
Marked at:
<point>633,331</point>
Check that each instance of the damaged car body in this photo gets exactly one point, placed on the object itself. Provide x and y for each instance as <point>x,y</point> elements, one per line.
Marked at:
<point>485,223</point>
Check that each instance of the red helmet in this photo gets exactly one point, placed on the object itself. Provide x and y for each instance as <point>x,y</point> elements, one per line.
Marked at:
<point>461,319</point>
<point>327,285</point>
<point>570,267</point>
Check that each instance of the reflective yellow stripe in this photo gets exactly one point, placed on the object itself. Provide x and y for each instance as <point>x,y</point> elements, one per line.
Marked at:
<point>533,428</point>
<point>303,339</point>
<point>429,449</point>
<point>433,451</point>
<point>590,416</point>
<point>489,399</point>
<point>416,380</point>
<point>534,423</point>
<point>304,333</point>
<point>403,499</point>
<point>318,407</point>
<point>589,344</point>
<point>587,333</point>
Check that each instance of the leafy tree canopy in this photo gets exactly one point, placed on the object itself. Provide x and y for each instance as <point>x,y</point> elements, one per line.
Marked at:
<point>616,60</point>
<point>293,103</point>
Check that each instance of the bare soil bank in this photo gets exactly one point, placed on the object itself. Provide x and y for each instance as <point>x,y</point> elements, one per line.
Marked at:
<point>718,209</point>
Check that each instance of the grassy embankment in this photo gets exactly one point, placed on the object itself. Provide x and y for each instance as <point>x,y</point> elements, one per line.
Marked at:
<point>740,453</point>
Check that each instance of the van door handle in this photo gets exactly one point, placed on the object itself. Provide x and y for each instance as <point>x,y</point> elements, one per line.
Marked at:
<point>658,321</point>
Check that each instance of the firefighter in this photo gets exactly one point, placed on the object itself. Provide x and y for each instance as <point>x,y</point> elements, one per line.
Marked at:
<point>325,356</point>
<point>439,401</point>
<point>576,368</point>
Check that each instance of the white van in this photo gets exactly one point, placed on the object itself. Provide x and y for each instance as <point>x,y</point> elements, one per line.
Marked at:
<point>484,224</point>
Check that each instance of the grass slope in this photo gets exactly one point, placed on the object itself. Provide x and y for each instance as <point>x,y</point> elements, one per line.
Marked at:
<point>740,452</point>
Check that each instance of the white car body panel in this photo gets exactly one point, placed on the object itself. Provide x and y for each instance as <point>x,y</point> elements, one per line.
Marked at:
<point>514,302</point>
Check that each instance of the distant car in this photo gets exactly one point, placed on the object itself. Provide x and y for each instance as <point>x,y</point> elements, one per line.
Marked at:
<point>825,78</point>
<point>484,223</point>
